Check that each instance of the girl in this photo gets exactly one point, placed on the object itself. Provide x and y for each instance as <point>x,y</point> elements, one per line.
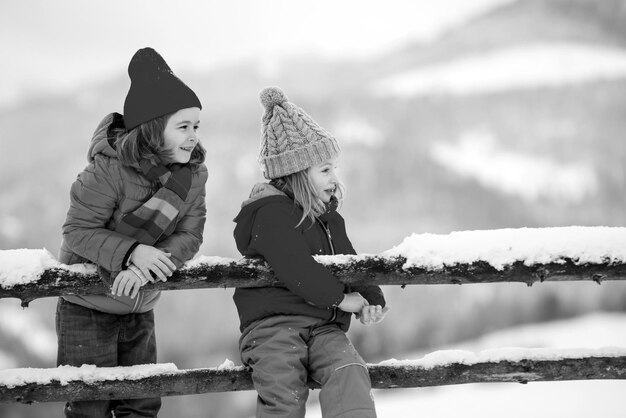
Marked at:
<point>137,211</point>
<point>298,331</point>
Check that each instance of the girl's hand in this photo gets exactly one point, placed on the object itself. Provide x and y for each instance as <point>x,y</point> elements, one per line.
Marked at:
<point>372,314</point>
<point>126,283</point>
<point>152,260</point>
<point>352,302</point>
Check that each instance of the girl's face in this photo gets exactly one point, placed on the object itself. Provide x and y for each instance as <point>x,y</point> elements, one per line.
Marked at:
<point>324,179</point>
<point>180,134</point>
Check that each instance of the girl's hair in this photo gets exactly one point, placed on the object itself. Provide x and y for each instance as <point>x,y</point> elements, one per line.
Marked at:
<point>146,142</point>
<point>299,185</point>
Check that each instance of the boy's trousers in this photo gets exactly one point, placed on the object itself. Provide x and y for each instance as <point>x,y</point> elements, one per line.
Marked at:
<point>87,336</point>
<point>284,351</point>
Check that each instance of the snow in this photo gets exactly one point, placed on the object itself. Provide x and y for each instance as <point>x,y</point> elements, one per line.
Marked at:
<point>339,259</point>
<point>522,67</point>
<point>476,155</point>
<point>208,261</point>
<point>501,247</point>
<point>227,365</point>
<point>88,373</point>
<point>444,357</point>
<point>23,265</point>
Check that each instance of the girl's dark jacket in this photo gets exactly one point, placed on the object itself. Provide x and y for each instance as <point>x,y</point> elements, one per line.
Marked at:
<point>266,228</point>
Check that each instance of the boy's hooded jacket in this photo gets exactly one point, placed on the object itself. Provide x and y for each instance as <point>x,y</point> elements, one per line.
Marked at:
<point>266,227</point>
<point>103,193</point>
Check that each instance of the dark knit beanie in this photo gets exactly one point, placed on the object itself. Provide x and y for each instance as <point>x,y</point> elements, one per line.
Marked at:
<point>154,90</point>
<point>291,140</point>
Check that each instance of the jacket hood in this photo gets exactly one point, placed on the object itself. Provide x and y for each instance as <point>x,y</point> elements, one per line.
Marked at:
<point>100,141</point>
<point>261,194</point>
<point>261,190</point>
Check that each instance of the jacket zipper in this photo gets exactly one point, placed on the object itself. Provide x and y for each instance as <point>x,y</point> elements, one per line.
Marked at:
<point>329,237</point>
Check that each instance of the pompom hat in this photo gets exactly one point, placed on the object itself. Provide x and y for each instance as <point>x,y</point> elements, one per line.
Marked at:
<point>154,90</point>
<point>291,140</point>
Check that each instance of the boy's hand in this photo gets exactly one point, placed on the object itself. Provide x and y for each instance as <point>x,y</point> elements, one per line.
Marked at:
<point>149,259</point>
<point>352,302</point>
<point>126,283</point>
<point>372,314</point>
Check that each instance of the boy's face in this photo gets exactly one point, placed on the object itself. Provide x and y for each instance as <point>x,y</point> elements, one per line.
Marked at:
<point>324,179</point>
<point>180,134</point>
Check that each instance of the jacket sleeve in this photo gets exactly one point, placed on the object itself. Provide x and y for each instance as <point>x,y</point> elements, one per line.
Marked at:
<point>373,294</point>
<point>186,239</point>
<point>275,237</point>
<point>93,198</point>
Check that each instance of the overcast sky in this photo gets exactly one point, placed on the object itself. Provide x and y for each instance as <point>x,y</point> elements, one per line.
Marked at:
<point>51,45</point>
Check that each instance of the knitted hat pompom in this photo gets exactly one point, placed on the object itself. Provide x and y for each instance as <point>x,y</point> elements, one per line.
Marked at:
<point>272,96</point>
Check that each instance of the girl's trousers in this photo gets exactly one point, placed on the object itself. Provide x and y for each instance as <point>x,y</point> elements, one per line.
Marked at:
<point>284,351</point>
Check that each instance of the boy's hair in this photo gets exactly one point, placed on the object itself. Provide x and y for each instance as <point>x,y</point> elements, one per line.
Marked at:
<point>300,186</point>
<point>146,142</point>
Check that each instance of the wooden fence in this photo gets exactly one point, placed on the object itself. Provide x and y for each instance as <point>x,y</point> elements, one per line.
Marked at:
<point>356,270</point>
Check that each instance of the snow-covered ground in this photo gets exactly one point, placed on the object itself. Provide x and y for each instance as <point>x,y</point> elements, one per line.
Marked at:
<point>577,399</point>
<point>538,400</point>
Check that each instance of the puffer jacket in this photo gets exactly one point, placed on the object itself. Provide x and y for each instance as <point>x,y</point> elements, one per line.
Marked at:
<point>103,193</point>
<point>266,228</point>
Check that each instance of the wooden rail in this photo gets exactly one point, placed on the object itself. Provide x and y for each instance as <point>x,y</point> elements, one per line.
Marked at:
<point>197,381</point>
<point>359,270</point>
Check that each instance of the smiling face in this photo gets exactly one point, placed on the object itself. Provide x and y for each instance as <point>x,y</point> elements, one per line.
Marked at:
<point>180,134</point>
<point>324,179</point>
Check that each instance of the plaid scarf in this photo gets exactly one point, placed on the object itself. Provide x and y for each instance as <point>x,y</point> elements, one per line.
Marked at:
<point>149,221</point>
